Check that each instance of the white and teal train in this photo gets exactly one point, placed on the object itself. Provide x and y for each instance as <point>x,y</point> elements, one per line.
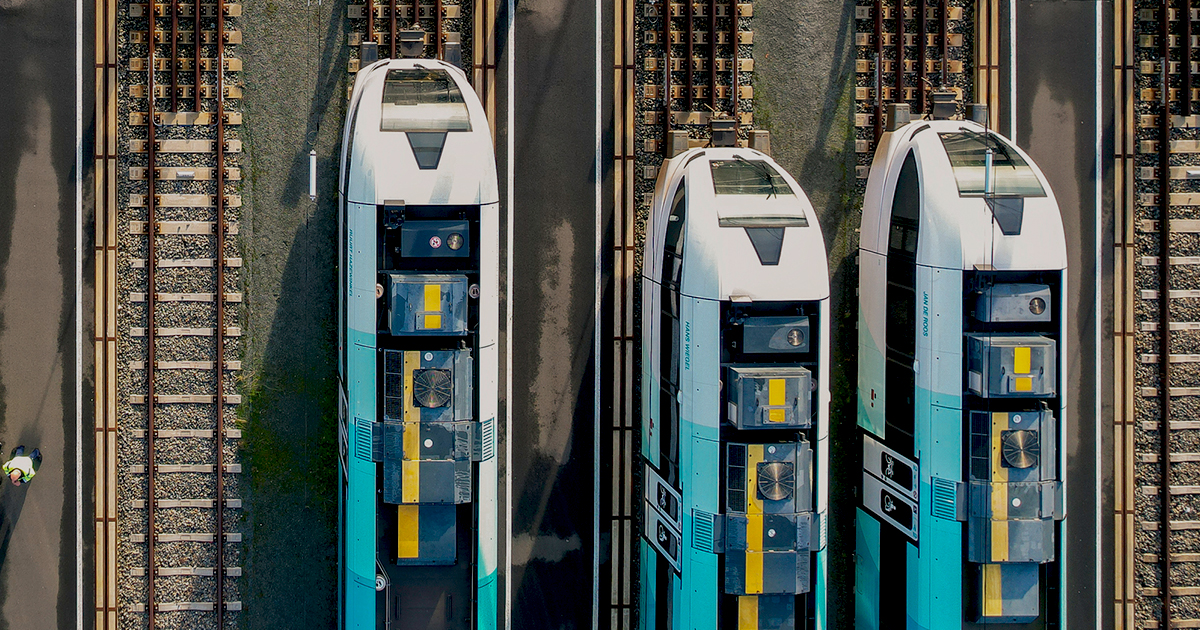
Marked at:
<point>961,407</point>
<point>735,398</point>
<point>417,352</point>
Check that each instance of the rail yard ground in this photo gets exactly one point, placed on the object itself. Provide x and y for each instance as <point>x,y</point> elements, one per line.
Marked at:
<point>295,73</point>
<point>294,61</point>
<point>804,95</point>
<point>295,58</point>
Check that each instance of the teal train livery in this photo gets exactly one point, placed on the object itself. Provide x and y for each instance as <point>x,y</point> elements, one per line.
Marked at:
<point>961,407</point>
<point>417,345</point>
<point>735,398</point>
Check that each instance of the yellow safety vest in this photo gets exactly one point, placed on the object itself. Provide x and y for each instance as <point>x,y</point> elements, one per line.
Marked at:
<point>22,464</point>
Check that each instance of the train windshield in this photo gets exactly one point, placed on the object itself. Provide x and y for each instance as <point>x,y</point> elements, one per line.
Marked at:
<point>417,99</point>
<point>967,151</point>
<point>740,176</point>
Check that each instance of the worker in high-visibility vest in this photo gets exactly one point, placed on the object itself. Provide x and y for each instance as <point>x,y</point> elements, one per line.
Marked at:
<point>21,468</point>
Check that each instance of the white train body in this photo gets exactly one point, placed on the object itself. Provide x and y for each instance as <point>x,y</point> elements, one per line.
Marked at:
<point>418,317</point>
<point>733,257</point>
<point>949,535</point>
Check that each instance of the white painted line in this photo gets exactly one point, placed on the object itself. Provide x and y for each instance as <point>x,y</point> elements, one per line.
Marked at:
<point>79,314</point>
<point>1099,183</point>
<point>510,15</point>
<point>596,352</point>
<point>1012,70</point>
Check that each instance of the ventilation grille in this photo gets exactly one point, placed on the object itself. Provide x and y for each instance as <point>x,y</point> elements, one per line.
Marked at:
<point>945,499</point>
<point>393,384</point>
<point>489,439</point>
<point>702,530</point>
<point>362,439</point>
<point>735,477</point>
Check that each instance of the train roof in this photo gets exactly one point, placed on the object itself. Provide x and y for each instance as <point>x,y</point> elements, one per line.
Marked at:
<point>1017,227</point>
<point>751,231</point>
<point>417,134</point>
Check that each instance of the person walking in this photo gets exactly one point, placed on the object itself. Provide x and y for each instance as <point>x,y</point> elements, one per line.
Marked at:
<point>21,468</point>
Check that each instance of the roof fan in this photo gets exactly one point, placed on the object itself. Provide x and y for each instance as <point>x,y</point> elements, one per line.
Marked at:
<point>776,480</point>
<point>432,388</point>
<point>1020,449</point>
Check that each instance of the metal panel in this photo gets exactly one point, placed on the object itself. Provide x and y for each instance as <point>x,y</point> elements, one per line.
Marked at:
<point>775,334</point>
<point>435,239</point>
<point>663,537</point>
<point>892,468</point>
<point>888,505</point>
<point>663,498</point>
<point>426,304</point>
<point>769,397</point>
<point>393,455</point>
<point>1014,303</point>
<point>1011,366</point>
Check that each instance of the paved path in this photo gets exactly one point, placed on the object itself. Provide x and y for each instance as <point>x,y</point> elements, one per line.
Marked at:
<point>1056,94</point>
<point>554,310</point>
<point>38,551</point>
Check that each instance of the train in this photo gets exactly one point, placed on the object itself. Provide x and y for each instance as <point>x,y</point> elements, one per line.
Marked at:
<point>734,399</point>
<point>417,321</point>
<point>961,364</point>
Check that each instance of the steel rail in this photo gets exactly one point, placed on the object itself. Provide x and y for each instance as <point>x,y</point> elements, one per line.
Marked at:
<point>219,299</point>
<point>898,66</point>
<point>922,53</point>
<point>943,37</point>
<point>151,267</point>
<point>712,51</point>
<point>666,42</point>
<point>370,12</point>
<point>1185,64</point>
<point>733,67</point>
<point>877,117</point>
<point>197,61</point>
<point>689,17</point>
<point>437,16</point>
<point>1164,315</point>
<point>174,61</point>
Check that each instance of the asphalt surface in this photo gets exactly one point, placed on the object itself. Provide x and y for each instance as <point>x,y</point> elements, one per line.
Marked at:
<point>38,550</point>
<point>289,247</point>
<point>1056,94</point>
<point>553,402</point>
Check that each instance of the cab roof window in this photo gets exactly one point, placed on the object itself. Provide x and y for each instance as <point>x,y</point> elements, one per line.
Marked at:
<point>967,152</point>
<point>419,99</point>
<point>740,176</point>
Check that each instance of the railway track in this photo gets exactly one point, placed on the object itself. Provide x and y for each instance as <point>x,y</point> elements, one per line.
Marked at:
<point>462,32</point>
<point>392,23</point>
<point>619,436</point>
<point>908,50</point>
<point>677,68</point>
<point>697,67</point>
<point>1157,323</point>
<point>166,316</point>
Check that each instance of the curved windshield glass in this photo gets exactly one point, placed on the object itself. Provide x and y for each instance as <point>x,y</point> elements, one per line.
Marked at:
<point>1012,176</point>
<point>417,99</point>
<point>740,176</point>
